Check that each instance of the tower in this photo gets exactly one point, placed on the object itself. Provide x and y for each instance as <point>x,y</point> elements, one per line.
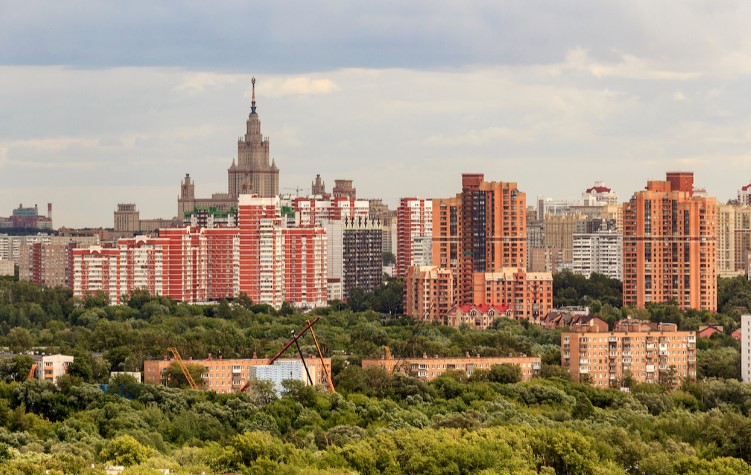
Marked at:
<point>253,174</point>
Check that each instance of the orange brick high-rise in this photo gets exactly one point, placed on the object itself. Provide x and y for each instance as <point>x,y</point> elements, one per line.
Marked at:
<point>670,245</point>
<point>493,230</point>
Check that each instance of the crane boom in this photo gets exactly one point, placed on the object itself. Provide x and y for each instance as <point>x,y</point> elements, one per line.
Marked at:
<point>183,367</point>
<point>323,363</point>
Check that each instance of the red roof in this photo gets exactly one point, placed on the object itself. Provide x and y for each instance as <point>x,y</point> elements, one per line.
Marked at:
<point>598,189</point>
<point>746,187</point>
<point>482,308</point>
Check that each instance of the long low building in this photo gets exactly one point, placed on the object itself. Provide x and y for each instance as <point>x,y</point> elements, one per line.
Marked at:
<point>430,368</point>
<point>229,375</point>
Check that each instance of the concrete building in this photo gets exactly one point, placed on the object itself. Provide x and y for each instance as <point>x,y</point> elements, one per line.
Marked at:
<point>745,340</point>
<point>10,246</point>
<point>546,259</point>
<point>127,218</point>
<point>599,194</point>
<point>280,371</point>
<point>646,352</point>
<point>318,188</point>
<point>733,239</point>
<point>51,367</point>
<point>316,212</point>
<point>229,375</point>
<point>97,269</point>
<point>559,230</point>
<point>670,245</point>
<point>600,252</point>
<point>414,234</point>
<point>7,267</point>
<point>362,255</point>
<point>429,368</point>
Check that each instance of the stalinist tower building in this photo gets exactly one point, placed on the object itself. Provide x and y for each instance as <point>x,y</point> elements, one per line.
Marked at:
<point>253,174</point>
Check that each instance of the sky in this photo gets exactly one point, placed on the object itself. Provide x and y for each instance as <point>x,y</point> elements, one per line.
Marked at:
<point>107,102</point>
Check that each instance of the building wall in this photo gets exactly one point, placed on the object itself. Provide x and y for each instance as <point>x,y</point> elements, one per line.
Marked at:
<point>559,233</point>
<point>606,357</point>
<point>52,367</point>
<point>7,267</point>
<point>429,291</point>
<point>670,246</point>
<point>97,269</point>
<point>430,368</point>
<point>362,255</point>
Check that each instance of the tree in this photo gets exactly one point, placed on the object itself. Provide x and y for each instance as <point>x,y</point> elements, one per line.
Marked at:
<point>505,373</point>
<point>19,340</point>
<point>125,450</point>
<point>389,258</point>
<point>176,378</point>
<point>16,368</point>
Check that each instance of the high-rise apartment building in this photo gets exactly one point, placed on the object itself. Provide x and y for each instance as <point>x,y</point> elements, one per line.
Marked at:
<point>261,251</point>
<point>733,239</point>
<point>670,245</point>
<point>559,232</point>
<point>97,269</point>
<point>647,352</point>
<point>305,266</point>
<point>315,212</point>
<point>527,295</point>
<point>362,257</point>
<point>600,252</point>
<point>492,228</point>
<point>414,234</point>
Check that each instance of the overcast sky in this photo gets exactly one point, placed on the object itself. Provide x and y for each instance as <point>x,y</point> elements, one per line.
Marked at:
<point>107,102</point>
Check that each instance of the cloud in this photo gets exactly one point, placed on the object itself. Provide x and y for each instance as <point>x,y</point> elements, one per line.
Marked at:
<point>628,67</point>
<point>200,82</point>
<point>476,138</point>
<point>679,97</point>
<point>299,85</point>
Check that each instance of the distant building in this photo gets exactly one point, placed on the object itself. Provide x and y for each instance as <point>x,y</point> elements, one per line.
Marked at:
<point>318,188</point>
<point>344,189</point>
<point>362,257</point>
<point>598,252</point>
<point>280,371</point>
<point>429,293</point>
<point>429,368</point>
<point>7,267</point>
<point>28,218</point>
<point>51,367</point>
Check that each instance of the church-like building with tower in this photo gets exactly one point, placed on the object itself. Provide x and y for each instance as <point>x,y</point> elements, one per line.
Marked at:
<point>251,173</point>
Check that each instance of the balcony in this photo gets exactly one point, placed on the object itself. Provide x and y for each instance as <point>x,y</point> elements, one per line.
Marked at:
<point>583,361</point>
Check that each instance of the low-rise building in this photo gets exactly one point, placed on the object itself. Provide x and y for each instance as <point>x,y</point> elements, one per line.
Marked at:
<point>430,368</point>
<point>640,350</point>
<point>478,317</point>
<point>230,375</point>
<point>52,367</point>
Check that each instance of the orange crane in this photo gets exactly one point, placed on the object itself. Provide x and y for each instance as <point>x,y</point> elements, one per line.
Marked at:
<point>31,372</point>
<point>320,356</point>
<point>184,368</point>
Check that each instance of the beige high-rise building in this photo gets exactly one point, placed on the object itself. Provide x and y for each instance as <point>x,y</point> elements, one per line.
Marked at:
<point>559,233</point>
<point>733,239</point>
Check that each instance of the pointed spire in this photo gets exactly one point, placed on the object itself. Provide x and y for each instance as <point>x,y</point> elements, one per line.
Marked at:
<point>253,99</point>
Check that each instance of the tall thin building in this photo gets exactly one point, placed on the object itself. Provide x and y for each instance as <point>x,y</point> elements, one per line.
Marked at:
<point>670,245</point>
<point>253,173</point>
<point>493,230</point>
<point>414,231</point>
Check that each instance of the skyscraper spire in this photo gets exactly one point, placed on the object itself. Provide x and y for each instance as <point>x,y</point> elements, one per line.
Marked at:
<point>253,99</point>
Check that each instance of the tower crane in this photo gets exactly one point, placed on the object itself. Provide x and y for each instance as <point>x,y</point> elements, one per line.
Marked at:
<point>183,367</point>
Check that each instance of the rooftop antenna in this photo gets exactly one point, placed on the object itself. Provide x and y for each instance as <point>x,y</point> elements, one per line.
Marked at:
<point>253,98</point>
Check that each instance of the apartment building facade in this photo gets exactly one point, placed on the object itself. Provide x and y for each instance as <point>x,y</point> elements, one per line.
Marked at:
<point>414,234</point>
<point>429,368</point>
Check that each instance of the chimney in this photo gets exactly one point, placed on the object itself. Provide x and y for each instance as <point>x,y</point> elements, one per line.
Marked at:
<point>49,211</point>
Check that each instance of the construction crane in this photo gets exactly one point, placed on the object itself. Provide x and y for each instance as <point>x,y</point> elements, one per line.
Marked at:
<point>183,367</point>
<point>294,341</point>
<point>297,190</point>
<point>412,339</point>
<point>31,372</point>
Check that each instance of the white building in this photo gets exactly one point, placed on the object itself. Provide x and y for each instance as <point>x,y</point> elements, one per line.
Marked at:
<point>600,252</point>
<point>283,370</point>
<point>746,348</point>
<point>52,367</point>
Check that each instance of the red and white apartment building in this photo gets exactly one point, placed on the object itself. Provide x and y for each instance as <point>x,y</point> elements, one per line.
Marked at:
<point>262,258</point>
<point>414,231</point>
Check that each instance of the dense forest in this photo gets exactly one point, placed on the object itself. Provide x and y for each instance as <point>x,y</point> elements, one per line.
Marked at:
<point>375,423</point>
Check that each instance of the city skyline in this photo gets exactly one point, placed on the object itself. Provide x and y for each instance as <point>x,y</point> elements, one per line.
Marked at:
<point>402,99</point>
